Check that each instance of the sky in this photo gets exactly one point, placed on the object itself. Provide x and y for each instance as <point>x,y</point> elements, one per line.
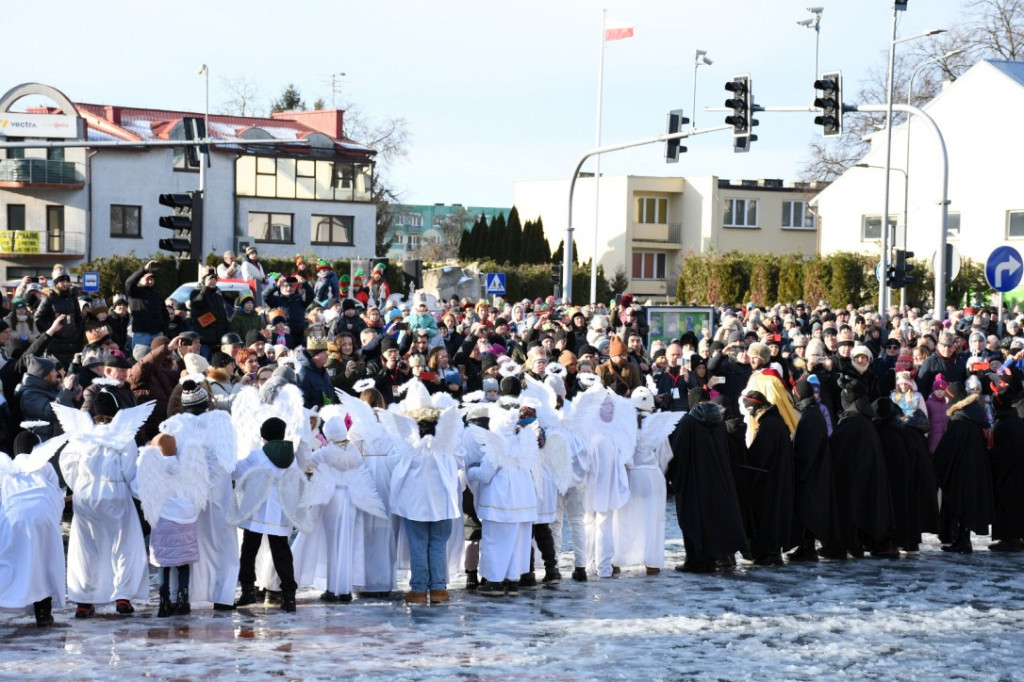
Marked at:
<point>492,92</point>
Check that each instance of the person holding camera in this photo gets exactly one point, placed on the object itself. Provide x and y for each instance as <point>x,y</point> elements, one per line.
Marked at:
<point>394,371</point>
<point>61,301</point>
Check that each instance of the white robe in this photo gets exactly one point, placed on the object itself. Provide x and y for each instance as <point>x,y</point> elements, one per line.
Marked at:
<point>379,536</point>
<point>332,556</point>
<point>31,547</point>
<point>106,551</point>
<point>639,526</point>
<point>214,576</point>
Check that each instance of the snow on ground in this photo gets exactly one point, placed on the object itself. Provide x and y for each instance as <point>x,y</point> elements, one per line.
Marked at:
<point>926,617</point>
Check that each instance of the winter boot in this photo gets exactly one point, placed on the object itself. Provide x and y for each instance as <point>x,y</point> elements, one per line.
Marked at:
<point>472,580</point>
<point>328,597</point>
<point>124,607</point>
<point>551,577</point>
<point>579,574</point>
<point>42,610</point>
<point>512,588</point>
<point>489,589</point>
<point>288,601</point>
<point>85,610</point>
<point>248,596</point>
<point>166,607</point>
<point>439,596</point>
<point>183,607</point>
<point>273,598</point>
<point>415,597</point>
<point>528,581</point>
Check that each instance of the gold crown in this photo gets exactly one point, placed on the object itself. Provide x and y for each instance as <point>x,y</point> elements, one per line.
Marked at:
<point>315,344</point>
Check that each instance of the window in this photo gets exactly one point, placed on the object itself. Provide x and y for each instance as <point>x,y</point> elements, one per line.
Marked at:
<point>1015,224</point>
<point>271,227</point>
<point>125,221</point>
<point>55,229</point>
<point>871,227</point>
<point>952,226</point>
<point>16,153</point>
<point>652,210</point>
<point>414,220</point>
<point>413,241</point>
<point>796,215</point>
<point>55,153</point>
<point>648,265</point>
<point>740,213</point>
<point>399,238</point>
<point>332,229</point>
<point>15,215</point>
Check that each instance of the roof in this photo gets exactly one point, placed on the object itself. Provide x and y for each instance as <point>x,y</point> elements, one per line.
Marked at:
<point>107,122</point>
<point>1014,70</point>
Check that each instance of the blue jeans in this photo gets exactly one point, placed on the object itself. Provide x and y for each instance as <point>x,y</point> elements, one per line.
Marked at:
<point>141,341</point>
<point>428,558</point>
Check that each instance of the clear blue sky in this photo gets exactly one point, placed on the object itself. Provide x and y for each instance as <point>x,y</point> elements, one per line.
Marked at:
<point>493,92</point>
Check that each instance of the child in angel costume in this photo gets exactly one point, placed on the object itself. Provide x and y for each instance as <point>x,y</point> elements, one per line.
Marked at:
<point>606,486</point>
<point>639,525</point>
<point>379,533</point>
<point>268,502</point>
<point>277,397</point>
<point>174,485</point>
<point>215,573</point>
<point>331,556</point>
<point>425,486</point>
<point>505,496</point>
<point>106,550</point>
<point>31,548</point>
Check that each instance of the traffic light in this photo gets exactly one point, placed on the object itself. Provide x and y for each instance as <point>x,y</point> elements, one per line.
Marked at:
<point>186,222</point>
<point>556,274</point>
<point>742,117</point>
<point>412,274</point>
<point>674,124</point>
<point>903,268</point>
<point>829,99</point>
<point>194,128</point>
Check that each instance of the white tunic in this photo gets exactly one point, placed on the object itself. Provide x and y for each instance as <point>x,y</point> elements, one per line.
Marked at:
<point>106,551</point>
<point>215,574</point>
<point>380,536</point>
<point>31,547</point>
<point>639,525</point>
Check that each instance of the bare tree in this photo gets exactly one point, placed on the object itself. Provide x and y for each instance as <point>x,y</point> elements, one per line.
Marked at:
<point>447,230</point>
<point>243,95</point>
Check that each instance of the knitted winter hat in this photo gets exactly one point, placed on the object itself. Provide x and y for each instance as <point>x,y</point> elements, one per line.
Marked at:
<point>760,350</point>
<point>195,363</point>
<point>273,429</point>
<point>194,398</point>
<point>39,367</point>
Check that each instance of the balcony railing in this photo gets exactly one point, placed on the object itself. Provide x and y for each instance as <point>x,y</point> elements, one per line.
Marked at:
<point>668,233</point>
<point>29,172</point>
<point>41,243</point>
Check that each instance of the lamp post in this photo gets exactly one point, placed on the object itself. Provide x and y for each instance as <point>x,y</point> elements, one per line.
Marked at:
<point>815,23</point>
<point>906,181</point>
<point>204,71</point>
<point>898,6</point>
<point>700,58</point>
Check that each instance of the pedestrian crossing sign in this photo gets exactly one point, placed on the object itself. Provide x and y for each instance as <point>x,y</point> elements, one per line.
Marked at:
<point>496,283</point>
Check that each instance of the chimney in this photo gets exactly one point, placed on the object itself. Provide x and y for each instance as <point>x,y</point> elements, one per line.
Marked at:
<point>327,121</point>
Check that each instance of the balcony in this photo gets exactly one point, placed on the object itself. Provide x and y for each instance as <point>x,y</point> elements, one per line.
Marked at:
<point>662,236</point>
<point>39,174</point>
<point>39,244</point>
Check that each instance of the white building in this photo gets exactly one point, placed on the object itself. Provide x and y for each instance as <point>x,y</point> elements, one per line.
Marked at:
<point>978,118</point>
<point>75,204</point>
<point>646,226</point>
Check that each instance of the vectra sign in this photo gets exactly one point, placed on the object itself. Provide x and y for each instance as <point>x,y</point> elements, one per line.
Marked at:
<point>38,125</point>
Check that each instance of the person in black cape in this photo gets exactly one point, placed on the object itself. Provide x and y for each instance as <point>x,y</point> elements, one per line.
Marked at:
<point>815,516</point>
<point>1007,463</point>
<point>859,474</point>
<point>961,463</point>
<point>770,463</point>
<point>900,466</point>
<point>924,490</point>
<point>706,504</point>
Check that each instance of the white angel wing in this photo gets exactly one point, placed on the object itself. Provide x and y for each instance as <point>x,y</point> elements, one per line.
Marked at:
<point>290,493</point>
<point>127,422</point>
<point>247,413</point>
<point>363,492</point>
<point>6,464</point>
<point>652,386</point>
<point>40,456</point>
<point>251,491</point>
<point>542,395</point>
<point>621,429</point>
<point>655,428</point>
<point>73,421</point>
<point>443,400</point>
<point>399,425</point>
<point>321,486</point>
<point>289,406</point>
<point>156,479</point>
<point>448,433</point>
<point>219,438</point>
<point>583,415</point>
<point>556,458</point>
<point>363,418</point>
<point>194,475</point>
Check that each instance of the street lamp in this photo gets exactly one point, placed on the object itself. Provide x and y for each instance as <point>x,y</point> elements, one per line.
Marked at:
<point>815,23</point>
<point>700,58</point>
<point>201,71</point>
<point>898,6</point>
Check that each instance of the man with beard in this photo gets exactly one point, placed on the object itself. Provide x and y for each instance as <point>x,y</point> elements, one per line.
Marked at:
<point>859,472</point>
<point>943,362</point>
<point>618,373</point>
<point>706,503</point>
<point>961,463</point>
<point>770,461</point>
<point>814,509</point>
<point>1007,464</point>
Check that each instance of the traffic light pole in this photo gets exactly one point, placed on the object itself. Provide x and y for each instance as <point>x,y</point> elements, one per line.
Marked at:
<point>567,257</point>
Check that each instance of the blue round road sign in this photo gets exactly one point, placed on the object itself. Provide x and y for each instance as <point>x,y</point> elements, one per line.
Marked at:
<point>1004,269</point>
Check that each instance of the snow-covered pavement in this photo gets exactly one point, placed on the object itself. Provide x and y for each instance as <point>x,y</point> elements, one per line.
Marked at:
<point>931,616</point>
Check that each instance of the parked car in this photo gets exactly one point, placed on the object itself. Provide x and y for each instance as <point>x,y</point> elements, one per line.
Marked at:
<point>231,288</point>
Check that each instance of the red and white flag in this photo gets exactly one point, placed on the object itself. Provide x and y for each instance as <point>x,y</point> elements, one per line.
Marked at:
<point>617,31</point>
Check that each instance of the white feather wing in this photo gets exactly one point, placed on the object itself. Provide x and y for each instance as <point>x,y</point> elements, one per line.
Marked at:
<point>363,492</point>
<point>40,456</point>
<point>656,428</point>
<point>73,421</point>
<point>219,438</point>
<point>156,480</point>
<point>127,422</point>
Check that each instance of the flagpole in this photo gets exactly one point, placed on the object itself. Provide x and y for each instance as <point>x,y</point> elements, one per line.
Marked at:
<point>597,172</point>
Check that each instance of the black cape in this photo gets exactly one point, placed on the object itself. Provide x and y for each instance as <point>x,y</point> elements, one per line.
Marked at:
<point>814,498</point>
<point>770,462</point>
<point>1007,475</point>
<point>706,503</point>
<point>961,463</point>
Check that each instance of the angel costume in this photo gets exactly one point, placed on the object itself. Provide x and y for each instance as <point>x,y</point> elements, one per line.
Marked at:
<point>215,574</point>
<point>379,533</point>
<point>425,487</point>
<point>106,550</point>
<point>607,483</point>
<point>638,527</point>
<point>505,498</point>
<point>31,548</point>
<point>331,556</point>
<point>269,489</point>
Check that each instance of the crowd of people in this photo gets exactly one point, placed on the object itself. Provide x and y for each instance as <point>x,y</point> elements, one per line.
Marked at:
<point>320,432</point>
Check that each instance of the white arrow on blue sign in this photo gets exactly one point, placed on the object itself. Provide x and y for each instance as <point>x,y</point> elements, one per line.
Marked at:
<point>1004,269</point>
<point>496,283</point>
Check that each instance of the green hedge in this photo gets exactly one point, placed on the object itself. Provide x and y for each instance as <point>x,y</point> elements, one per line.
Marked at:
<point>839,278</point>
